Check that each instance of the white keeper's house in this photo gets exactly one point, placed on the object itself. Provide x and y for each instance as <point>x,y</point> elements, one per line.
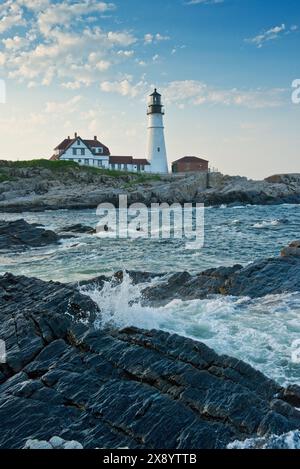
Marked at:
<point>94,153</point>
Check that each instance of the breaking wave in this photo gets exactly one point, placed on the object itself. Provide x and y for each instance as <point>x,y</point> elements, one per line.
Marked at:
<point>269,224</point>
<point>262,332</point>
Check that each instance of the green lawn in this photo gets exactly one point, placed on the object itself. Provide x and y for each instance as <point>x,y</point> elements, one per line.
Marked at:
<point>61,166</point>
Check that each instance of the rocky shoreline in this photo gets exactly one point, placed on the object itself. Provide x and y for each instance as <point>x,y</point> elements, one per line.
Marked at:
<point>39,188</point>
<point>135,388</point>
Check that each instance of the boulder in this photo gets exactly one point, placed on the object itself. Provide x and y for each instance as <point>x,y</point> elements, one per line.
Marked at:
<point>292,250</point>
<point>261,278</point>
<point>78,228</point>
<point>21,235</point>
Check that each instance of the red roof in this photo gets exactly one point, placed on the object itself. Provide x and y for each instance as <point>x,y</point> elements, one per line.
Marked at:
<point>120,159</point>
<point>97,144</point>
<point>141,161</point>
<point>128,160</point>
<point>190,159</point>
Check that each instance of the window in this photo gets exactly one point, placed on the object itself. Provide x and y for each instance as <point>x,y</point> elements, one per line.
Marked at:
<point>82,151</point>
<point>79,161</point>
<point>119,166</point>
<point>100,164</point>
<point>74,151</point>
<point>158,149</point>
<point>78,141</point>
<point>100,150</point>
<point>113,166</point>
<point>126,166</point>
<point>143,167</point>
<point>138,167</point>
<point>86,161</point>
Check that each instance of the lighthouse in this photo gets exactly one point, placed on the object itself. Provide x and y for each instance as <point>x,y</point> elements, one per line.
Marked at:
<point>156,139</point>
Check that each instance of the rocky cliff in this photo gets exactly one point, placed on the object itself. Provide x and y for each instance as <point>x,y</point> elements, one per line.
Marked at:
<point>134,388</point>
<point>53,185</point>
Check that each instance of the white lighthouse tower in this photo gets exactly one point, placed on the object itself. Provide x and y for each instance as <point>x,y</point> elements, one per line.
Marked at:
<point>156,139</point>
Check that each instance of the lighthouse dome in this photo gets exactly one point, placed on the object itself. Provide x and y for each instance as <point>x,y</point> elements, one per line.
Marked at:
<point>155,105</point>
<point>155,93</point>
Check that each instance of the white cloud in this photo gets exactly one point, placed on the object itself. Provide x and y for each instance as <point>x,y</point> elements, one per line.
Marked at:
<point>60,46</point>
<point>155,38</point>
<point>203,2</point>
<point>124,39</point>
<point>196,93</point>
<point>66,12</point>
<point>148,38</point>
<point>160,37</point>
<point>35,5</point>
<point>56,107</point>
<point>73,58</point>
<point>124,87</point>
<point>125,53</point>
<point>271,35</point>
<point>11,15</point>
<point>16,42</point>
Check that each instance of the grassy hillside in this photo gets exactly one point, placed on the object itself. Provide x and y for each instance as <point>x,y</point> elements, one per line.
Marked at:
<point>12,170</point>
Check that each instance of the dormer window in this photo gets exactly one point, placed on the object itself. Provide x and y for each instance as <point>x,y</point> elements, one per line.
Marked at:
<point>100,150</point>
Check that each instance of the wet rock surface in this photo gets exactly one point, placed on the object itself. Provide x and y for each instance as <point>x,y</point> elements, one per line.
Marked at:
<point>130,388</point>
<point>265,277</point>
<point>78,229</point>
<point>292,250</point>
<point>20,234</point>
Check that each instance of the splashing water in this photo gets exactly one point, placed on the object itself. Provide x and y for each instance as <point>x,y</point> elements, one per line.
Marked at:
<point>120,304</point>
<point>262,332</point>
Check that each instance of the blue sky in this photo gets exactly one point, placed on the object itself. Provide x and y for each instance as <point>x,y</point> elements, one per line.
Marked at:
<point>225,70</point>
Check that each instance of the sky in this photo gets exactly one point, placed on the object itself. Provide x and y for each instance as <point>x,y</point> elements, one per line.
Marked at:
<point>225,69</point>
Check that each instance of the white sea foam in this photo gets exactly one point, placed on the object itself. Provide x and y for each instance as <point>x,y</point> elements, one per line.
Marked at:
<point>268,224</point>
<point>261,332</point>
<point>289,440</point>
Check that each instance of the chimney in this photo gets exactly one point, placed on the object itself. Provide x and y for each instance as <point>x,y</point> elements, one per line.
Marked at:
<point>69,137</point>
<point>75,134</point>
<point>95,138</point>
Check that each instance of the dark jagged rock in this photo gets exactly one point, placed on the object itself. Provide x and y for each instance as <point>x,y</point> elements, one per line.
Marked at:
<point>265,277</point>
<point>292,250</point>
<point>78,228</point>
<point>27,294</point>
<point>129,388</point>
<point>20,234</point>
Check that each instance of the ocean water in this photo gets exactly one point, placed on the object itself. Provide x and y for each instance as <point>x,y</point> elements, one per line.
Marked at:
<point>263,332</point>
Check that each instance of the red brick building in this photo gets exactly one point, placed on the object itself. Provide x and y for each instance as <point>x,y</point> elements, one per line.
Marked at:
<point>189,164</point>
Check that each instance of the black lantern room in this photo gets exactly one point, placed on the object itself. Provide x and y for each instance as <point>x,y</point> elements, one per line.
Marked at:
<point>155,106</point>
